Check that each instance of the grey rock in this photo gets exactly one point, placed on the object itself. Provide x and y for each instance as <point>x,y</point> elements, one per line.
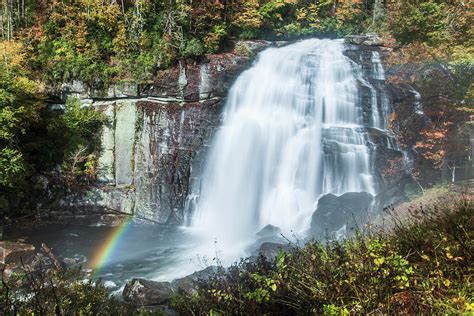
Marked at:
<point>251,48</point>
<point>151,144</point>
<point>269,231</point>
<point>14,254</point>
<point>141,292</point>
<point>333,212</point>
<point>270,250</point>
<point>367,40</point>
<point>188,284</point>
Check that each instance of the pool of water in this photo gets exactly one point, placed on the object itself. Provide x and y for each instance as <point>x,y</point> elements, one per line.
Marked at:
<point>155,252</point>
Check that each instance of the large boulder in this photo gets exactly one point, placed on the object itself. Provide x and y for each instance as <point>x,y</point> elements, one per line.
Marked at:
<point>367,40</point>
<point>333,212</point>
<point>269,231</point>
<point>270,250</point>
<point>188,284</point>
<point>15,254</point>
<point>141,292</point>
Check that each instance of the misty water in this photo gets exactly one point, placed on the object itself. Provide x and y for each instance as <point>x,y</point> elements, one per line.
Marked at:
<point>292,131</point>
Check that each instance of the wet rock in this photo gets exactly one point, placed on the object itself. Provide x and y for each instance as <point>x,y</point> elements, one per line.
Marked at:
<point>367,40</point>
<point>269,231</point>
<point>270,250</point>
<point>141,292</point>
<point>154,145</point>
<point>75,261</point>
<point>14,254</point>
<point>99,199</point>
<point>251,48</point>
<point>333,212</point>
<point>188,284</point>
<point>69,262</point>
<point>268,234</point>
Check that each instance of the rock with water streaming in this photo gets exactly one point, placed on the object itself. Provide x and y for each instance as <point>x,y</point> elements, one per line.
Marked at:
<point>295,128</point>
<point>333,212</point>
<point>269,231</point>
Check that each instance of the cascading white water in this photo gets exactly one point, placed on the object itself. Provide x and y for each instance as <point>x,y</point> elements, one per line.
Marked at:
<point>292,131</point>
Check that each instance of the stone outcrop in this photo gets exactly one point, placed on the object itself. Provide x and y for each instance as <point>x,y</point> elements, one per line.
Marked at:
<point>366,40</point>
<point>335,212</point>
<point>389,165</point>
<point>270,250</point>
<point>13,254</point>
<point>142,292</point>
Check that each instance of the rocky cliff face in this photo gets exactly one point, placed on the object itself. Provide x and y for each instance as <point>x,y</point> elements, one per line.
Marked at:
<point>389,162</point>
<point>158,133</point>
<point>156,136</point>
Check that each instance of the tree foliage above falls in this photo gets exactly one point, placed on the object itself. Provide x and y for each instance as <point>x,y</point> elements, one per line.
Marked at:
<point>99,41</point>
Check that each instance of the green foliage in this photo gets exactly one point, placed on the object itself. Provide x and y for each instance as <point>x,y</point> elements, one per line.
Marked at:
<point>193,48</point>
<point>13,168</point>
<point>80,126</point>
<point>53,292</point>
<point>425,22</point>
<point>34,140</point>
<point>423,266</point>
<point>101,42</point>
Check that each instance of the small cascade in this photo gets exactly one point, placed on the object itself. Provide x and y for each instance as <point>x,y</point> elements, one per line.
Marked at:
<point>377,67</point>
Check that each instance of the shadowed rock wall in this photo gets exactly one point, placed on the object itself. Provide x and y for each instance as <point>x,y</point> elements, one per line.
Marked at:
<point>156,137</point>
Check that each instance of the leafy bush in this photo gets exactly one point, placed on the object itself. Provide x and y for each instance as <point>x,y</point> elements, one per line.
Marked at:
<point>425,22</point>
<point>423,266</point>
<point>13,168</point>
<point>193,48</point>
<point>53,292</point>
<point>80,126</point>
<point>34,139</point>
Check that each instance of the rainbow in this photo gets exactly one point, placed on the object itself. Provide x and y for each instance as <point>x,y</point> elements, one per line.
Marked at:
<point>106,250</point>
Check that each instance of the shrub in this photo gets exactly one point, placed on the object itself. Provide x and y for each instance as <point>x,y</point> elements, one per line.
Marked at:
<point>422,266</point>
<point>425,22</point>
<point>52,292</point>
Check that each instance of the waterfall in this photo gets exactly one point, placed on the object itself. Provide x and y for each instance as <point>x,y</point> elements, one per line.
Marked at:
<point>292,131</point>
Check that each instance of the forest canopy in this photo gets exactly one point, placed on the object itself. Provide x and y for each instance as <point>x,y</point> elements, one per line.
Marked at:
<point>101,41</point>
